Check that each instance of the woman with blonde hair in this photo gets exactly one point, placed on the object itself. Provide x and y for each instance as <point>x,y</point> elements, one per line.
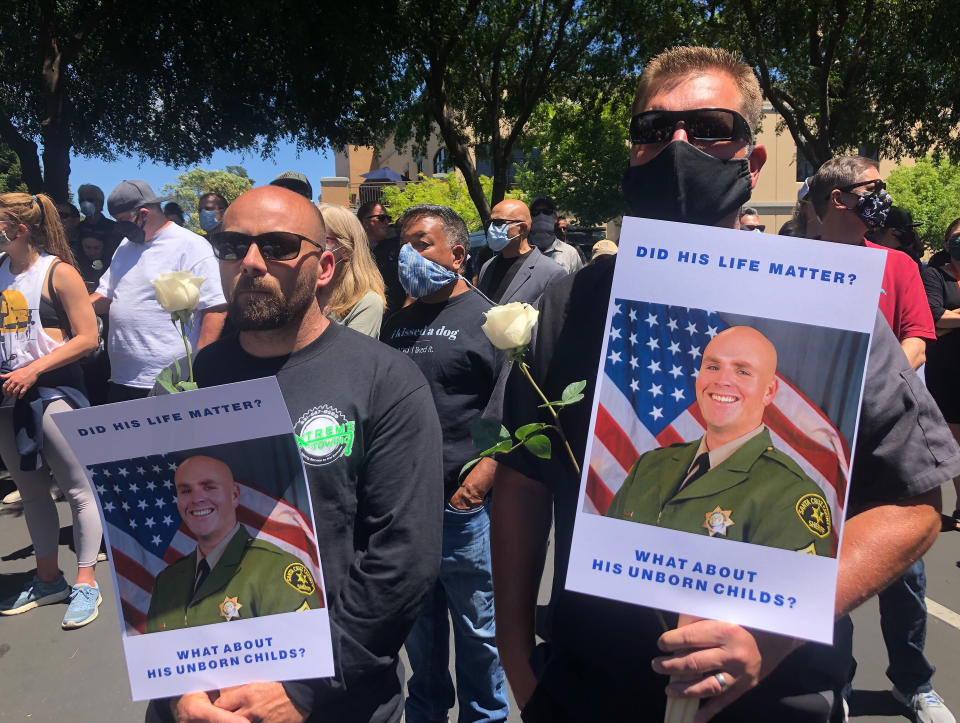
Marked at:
<point>357,301</point>
<point>48,326</point>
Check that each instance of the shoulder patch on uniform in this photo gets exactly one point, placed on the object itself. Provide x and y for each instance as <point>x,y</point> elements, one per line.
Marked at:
<point>302,607</point>
<point>297,576</point>
<point>810,549</point>
<point>814,513</point>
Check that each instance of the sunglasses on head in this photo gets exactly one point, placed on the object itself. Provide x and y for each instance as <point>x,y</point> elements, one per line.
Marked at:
<point>707,125</point>
<point>273,246</point>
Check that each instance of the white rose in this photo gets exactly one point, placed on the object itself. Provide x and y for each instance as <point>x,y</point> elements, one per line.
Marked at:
<point>177,291</point>
<point>509,326</point>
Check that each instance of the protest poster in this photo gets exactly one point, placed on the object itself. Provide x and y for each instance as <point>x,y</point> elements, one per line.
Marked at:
<point>722,430</point>
<point>215,470</point>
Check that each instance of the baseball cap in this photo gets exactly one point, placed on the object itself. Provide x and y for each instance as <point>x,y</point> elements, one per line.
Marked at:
<point>604,246</point>
<point>296,182</point>
<point>129,195</point>
<point>544,201</point>
<point>901,219</point>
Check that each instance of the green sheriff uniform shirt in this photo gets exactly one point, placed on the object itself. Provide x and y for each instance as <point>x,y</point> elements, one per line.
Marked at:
<point>758,495</point>
<point>252,578</point>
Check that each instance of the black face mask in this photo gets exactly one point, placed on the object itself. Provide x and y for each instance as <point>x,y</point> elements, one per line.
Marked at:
<point>685,184</point>
<point>132,231</point>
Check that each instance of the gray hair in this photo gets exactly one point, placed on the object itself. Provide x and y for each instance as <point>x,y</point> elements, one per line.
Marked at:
<point>454,227</point>
<point>835,173</point>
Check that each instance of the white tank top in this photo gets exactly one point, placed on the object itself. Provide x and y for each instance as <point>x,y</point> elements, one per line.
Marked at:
<point>22,338</point>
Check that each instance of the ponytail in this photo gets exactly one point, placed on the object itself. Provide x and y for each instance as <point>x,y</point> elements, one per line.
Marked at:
<point>38,213</point>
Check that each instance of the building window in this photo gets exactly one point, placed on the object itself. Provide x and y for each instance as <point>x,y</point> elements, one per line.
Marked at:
<point>440,164</point>
<point>805,169</point>
<point>869,152</point>
<point>419,166</point>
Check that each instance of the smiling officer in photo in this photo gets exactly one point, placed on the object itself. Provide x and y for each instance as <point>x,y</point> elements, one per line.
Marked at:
<point>731,483</point>
<point>230,575</point>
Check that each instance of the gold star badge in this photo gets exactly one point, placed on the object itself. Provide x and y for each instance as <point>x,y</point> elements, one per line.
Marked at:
<point>230,608</point>
<point>717,521</point>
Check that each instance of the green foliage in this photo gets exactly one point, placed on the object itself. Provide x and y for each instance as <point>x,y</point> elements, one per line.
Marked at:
<point>11,177</point>
<point>848,74</point>
<point>450,191</point>
<point>930,190</point>
<point>578,152</point>
<point>196,182</point>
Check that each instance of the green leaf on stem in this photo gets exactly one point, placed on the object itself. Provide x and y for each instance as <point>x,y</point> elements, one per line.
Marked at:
<point>187,386</point>
<point>487,433</point>
<point>572,393</point>
<point>538,445</point>
<point>468,466</point>
<point>527,429</point>
<point>504,446</point>
<point>165,380</point>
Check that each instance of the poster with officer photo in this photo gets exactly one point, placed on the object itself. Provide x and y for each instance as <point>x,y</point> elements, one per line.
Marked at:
<point>210,536</point>
<point>720,449</point>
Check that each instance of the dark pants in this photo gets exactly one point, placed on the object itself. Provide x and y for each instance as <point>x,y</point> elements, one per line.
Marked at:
<point>903,620</point>
<point>120,393</point>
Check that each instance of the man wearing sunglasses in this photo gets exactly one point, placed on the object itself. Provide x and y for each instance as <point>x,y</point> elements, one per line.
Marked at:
<point>376,501</point>
<point>851,199</point>
<point>517,271</point>
<point>693,158</point>
<point>750,221</point>
<point>385,247</point>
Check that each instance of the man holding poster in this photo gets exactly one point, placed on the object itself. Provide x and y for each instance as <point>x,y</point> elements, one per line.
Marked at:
<point>733,483</point>
<point>691,162</point>
<point>231,575</point>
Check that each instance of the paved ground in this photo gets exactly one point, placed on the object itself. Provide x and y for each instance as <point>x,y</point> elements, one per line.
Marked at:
<point>48,674</point>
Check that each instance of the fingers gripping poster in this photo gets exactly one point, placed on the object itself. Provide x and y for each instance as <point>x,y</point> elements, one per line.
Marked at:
<point>210,536</point>
<point>719,458</point>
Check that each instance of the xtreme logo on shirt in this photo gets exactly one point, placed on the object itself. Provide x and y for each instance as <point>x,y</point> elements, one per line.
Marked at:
<point>324,435</point>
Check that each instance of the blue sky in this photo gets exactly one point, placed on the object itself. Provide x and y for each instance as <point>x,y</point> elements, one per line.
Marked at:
<point>315,164</point>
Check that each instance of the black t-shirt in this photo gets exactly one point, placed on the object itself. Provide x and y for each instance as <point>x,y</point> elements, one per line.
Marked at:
<point>387,255</point>
<point>459,362</point>
<point>504,270</point>
<point>369,431</point>
<point>597,665</point>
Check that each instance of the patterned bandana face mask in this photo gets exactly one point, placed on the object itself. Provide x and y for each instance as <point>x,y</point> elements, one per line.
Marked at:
<point>421,277</point>
<point>873,208</point>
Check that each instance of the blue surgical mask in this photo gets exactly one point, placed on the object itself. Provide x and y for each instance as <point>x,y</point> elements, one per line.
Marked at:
<point>421,277</point>
<point>497,238</point>
<point>88,209</point>
<point>208,220</point>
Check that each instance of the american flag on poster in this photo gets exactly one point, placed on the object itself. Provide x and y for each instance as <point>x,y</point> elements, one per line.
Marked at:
<point>648,400</point>
<point>146,533</point>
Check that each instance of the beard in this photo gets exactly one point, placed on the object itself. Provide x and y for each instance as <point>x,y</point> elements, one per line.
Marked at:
<point>269,309</point>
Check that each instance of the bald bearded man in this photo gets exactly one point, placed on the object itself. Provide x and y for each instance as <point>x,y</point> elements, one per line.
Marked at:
<point>518,271</point>
<point>732,483</point>
<point>231,575</point>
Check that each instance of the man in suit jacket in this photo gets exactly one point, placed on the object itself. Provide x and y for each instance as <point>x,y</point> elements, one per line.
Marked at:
<point>519,272</point>
<point>732,483</point>
<point>230,575</point>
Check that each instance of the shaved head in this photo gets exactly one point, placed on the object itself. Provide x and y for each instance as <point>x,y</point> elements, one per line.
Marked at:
<point>513,209</point>
<point>272,208</point>
<point>207,499</point>
<point>737,380</point>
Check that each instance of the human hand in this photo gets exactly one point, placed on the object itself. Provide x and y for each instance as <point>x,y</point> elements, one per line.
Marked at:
<point>17,382</point>
<point>199,708</point>
<point>702,649</point>
<point>465,498</point>
<point>262,702</point>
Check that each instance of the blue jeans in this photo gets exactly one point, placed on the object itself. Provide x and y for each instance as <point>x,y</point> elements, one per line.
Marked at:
<point>903,620</point>
<point>465,588</point>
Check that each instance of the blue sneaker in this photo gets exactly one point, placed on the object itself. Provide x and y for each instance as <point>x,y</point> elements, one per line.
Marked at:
<point>84,601</point>
<point>36,593</point>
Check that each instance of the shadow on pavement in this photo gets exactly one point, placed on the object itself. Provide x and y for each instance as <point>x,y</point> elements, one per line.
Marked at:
<point>875,702</point>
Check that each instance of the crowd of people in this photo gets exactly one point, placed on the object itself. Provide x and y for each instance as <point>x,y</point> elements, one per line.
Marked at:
<point>380,322</point>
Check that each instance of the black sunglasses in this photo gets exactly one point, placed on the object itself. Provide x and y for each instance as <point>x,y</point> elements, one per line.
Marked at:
<point>751,227</point>
<point>878,186</point>
<point>707,125</point>
<point>385,217</point>
<point>273,246</point>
